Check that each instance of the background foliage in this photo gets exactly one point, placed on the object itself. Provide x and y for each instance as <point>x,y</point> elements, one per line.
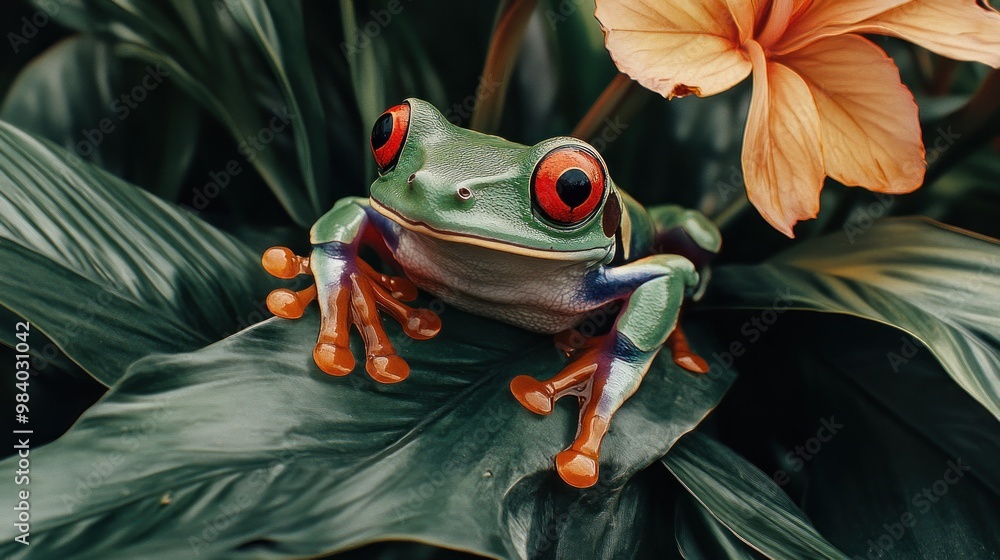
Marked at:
<point>132,228</point>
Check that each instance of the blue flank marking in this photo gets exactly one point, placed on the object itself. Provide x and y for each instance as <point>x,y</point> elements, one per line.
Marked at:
<point>337,250</point>
<point>607,283</point>
<point>388,228</point>
<point>626,351</point>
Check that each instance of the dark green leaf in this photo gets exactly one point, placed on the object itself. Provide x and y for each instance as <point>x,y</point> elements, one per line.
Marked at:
<point>39,102</point>
<point>246,450</point>
<point>150,143</point>
<point>967,196</point>
<point>701,537</point>
<point>203,52</point>
<point>109,272</point>
<point>879,489</point>
<point>901,374</point>
<point>745,500</point>
<point>163,137</point>
<point>44,352</point>
<point>278,31</point>
<point>366,75</point>
<point>937,283</point>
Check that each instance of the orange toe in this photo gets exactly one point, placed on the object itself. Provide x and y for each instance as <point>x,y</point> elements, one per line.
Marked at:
<point>283,263</point>
<point>335,360</point>
<point>532,394</point>
<point>691,362</point>
<point>422,324</point>
<point>577,468</point>
<point>387,369</point>
<point>286,304</point>
<point>401,288</point>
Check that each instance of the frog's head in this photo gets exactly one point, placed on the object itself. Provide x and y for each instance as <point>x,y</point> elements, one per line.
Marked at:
<point>552,200</point>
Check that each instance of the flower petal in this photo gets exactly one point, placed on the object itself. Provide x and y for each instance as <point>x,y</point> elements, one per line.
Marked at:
<point>782,158</point>
<point>674,48</point>
<point>868,119</point>
<point>958,29</point>
<point>819,18</point>
<point>745,14</point>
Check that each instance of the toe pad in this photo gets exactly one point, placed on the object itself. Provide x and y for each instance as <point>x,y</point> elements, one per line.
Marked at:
<point>577,468</point>
<point>335,360</point>
<point>532,394</point>
<point>387,369</point>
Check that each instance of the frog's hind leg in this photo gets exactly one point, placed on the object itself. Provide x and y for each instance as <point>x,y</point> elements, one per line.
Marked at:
<point>540,396</point>
<point>608,370</point>
<point>685,232</point>
<point>621,370</point>
<point>602,375</point>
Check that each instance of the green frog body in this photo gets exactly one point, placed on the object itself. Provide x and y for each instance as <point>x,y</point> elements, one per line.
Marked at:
<point>535,236</point>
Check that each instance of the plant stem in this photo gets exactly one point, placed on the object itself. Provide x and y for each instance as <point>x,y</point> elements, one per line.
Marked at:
<point>512,19</point>
<point>611,101</point>
<point>733,210</point>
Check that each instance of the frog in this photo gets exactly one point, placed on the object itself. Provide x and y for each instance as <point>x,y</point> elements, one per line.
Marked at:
<point>539,237</point>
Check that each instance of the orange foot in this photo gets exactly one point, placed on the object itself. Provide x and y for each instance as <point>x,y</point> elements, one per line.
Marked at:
<point>572,340</point>
<point>584,377</point>
<point>593,363</point>
<point>350,292</point>
<point>682,353</point>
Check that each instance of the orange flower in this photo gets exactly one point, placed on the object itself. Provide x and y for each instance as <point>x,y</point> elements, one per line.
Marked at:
<point>826,101</point>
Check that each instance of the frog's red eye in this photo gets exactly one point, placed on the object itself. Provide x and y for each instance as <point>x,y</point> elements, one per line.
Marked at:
<point>388,135</point>
<point>568,185</point>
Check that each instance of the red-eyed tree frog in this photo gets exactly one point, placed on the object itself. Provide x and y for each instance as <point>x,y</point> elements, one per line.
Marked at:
<point>535,236</point>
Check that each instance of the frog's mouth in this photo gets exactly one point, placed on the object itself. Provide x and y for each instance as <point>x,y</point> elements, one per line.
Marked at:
<point>596,254</point>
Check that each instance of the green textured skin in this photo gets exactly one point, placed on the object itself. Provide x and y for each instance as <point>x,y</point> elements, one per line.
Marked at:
<point>701,230</point>
<point>444,157</point>
<point>342,223</point>
<point>438,158</point>
<point>652,309</point>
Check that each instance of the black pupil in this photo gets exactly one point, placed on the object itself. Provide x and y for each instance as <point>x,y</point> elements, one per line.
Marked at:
<point>381,131</point>
<point>573,187</point>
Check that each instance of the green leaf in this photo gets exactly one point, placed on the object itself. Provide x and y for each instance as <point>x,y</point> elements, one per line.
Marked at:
<point>71,13</point>
<point>879,488</point>
<point>201,50</point>
<point>937,283</point>
<point>167,131</point>
<point>245,449</point>
<point>277,29</point>
<point>968,195</point>
<point>43,351</point>
<point>150,143</point>
<point>745,500</point>
<point>39,102</point>
<point>701,537</point>
<point>904,377</point>
<point>854,437</point>
<point>366,77</point>
<point>109,272</point>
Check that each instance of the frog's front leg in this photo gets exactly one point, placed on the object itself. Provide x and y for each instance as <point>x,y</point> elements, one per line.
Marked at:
<point>349,292</point>
<point>608,370</point>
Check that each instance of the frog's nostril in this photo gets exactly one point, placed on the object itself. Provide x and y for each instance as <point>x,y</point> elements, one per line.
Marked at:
<point>411,178</point>
<point>464,193</point>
